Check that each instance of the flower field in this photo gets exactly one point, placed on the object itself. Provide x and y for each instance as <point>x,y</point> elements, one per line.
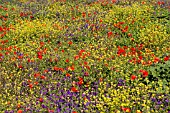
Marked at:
<point>84,56</point>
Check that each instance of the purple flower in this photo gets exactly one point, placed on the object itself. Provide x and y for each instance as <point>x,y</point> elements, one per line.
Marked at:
<point>119,84</point>
<point>86,25</point>
<point>88,103</point>
<point>159,102</point>
<point>153,99</point>
<point>6,112</point>
<point>58,84</point>
<point>58,110</point>
<point>68,109</point>
<point>167,100</point>
<point>43,106</point>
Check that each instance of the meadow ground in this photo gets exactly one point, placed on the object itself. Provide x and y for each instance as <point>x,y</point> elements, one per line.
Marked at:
<point>60,56</point>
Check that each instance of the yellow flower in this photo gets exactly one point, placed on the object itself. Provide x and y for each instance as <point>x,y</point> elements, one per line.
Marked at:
<point>138,111</point>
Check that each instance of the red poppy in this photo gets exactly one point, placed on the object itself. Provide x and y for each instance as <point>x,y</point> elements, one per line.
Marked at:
<point>67,75</point>
<point>62,50</point>
<point>120,23</point>
<point>125,29</point>
<point>1,29</point>
<point>132,49</point>
<point>22,14</point>
<point>41,99</point>
<point>40,57</point>
<point>109,34</point>
<point>42,43</point>
<point>121,51</point>
<point>84,56</point>
<point>143,2</point>
<point>31,86</point>
<point>76,57</point>
<point>39,53</point>
<point>156,60</point>
<point>81,51</point>
<point>83,14</point>
<point>61,69</point>
<point>36,75</point>
<point>133,77</point>
<point>100,20</point>
<point>20,66</point>
<point>5,9</point>
<point>73,89</point>
<point>72,68</point>
<point>7,53</point>
<point>144,73</point>
<point>129,34</point>
<point>70,42</point>
<point>67,60</point>
<point>31,16</point>
<point>80,78</point>
<point>36,83</point>
<point>56,68</point>
<point>80,82</point>
<point>88,67</point>
<point>20,57</point>
<point>140,57</point>
<point>51,111</point>
<point>74,112</point>
<point>85,63</point>
<point>160,3</point>
<point>43,77</point>
<point>166,58</point>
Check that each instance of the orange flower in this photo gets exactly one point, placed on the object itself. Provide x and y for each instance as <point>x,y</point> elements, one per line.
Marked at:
<point>71,68</point>
<point>113,1</point>
<point>19,111</point>
<point>101,79</point>
<point>138,111</point>
<point>83,14</point>
<point>56,68</point>
<point>51,111</point>
<point>101,20</point>
<point>126,109</point>
<point>18,105</point>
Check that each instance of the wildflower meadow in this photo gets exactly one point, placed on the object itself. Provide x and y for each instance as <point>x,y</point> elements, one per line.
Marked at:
<point>84,56</point>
